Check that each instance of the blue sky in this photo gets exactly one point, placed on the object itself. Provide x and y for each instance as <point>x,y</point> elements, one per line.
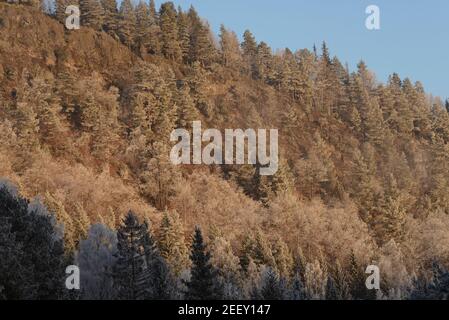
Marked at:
<point>413,40</point>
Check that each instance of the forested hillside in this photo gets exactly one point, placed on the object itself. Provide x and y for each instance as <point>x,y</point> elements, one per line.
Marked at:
<point>85,122</point>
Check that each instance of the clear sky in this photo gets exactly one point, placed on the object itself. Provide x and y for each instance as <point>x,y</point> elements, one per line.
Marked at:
<point>413,40</point>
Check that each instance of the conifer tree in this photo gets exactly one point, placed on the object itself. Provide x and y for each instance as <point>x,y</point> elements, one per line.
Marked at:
<point>394,213</point>
<point>82,222</point>
<point>262,253</point>
<point>357,279</point>
<point>143,25</point>
<point>315,281</point>
<point>202,48</point>
<point>135,249</point>
<point>272,287</point>
<point>247,247</point>
<point>153,40</point>
<point>183,34</point>
<point>27,118</point>
<point>283,258</point>
<point>170,35</point>
<point>264,62</point>
<point>171,242</point>
<point>341,283</point>
<point>297,290</point>
<point>374,130</point>
<point>227,266</point>
<point>187,113</point>
<point>111,17</point>
<point>127,23</point>
<point>92,14</point>
<point>197,81</point>
<point>249,50</point>
<point>231,55</point>
<point>203,284</point>
<point>57,207</point>
<point>331,290</point>
<point>439,185</point>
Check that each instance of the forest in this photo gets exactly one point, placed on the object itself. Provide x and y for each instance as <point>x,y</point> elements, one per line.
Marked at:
<point>86,177</point>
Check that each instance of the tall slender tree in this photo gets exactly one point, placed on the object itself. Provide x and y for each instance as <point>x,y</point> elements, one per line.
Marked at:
<point>92,14</point>
<point>203,284</point>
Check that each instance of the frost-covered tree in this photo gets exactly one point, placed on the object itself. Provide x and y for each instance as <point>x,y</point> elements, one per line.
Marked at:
<point>96,259</point>
<point>171,242</point>
<point>271,287</point>
<point>92,14</point>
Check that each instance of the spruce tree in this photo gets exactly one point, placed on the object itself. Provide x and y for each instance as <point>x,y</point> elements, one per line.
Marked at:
<point>92,14</point>
<point>203,284</point>
<point>187,113</point>
<point>171,242</point>
<point>357,278</point>
<point>127,23</point>
<point>143,24</point>
<point>170,34</point>
<point>297,290</point>
<point>183,34</point>
<point>154,35</point>
<point>201,47</point>
<point>264,63</point>
<point>140,271</point>
<point>56,206</point>
<point>231,55</point>
<point>272,287</point>
<point>129,276</point>
<point>111,17</point>
<point>249,50</point>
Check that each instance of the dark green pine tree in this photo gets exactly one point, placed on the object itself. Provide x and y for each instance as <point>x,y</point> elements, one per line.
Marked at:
<point>32,260</point>
<point>140,271</point>
<point>156,280</point>
<point>203,284</point>
<point>297,290</point>
<point>331,290</point>
<point>272,288</point>
<point>134,249</point>
<point>12,275</point>
<point>325,56</point>
<point>342,286</point>
<point>162,283</point>
<point>359,291</point>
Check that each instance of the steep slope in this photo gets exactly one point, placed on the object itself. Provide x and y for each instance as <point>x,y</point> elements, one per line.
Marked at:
<point>85,124</point>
